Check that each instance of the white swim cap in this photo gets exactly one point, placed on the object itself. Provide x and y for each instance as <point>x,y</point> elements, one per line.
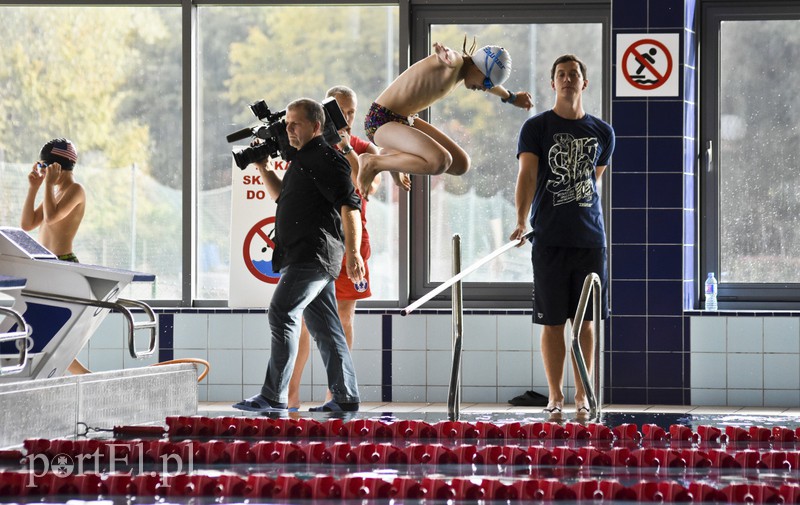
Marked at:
<point>494,62</point>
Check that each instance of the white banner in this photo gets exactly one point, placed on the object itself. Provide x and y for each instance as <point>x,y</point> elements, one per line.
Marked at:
<point>252,280</point>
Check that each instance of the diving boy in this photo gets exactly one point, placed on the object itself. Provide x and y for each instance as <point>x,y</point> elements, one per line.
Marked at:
<point>409,144</point>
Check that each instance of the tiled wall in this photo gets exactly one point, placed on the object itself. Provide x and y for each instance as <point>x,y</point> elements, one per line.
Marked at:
<point>738,360</point>
<point>652,220</point>
<point>746,361</point>
<point>397,358</point>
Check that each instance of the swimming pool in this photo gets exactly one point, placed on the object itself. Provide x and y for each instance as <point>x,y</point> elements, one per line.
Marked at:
<point>384,457</point>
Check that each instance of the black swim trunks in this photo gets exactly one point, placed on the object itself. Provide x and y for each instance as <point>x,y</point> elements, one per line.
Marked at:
<point>558,276</point>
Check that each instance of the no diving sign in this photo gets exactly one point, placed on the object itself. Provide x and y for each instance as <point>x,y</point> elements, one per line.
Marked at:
<point>648,64</point>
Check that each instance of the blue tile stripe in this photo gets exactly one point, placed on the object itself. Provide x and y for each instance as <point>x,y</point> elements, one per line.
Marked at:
<point>166,325</point>
<point>386,362</point>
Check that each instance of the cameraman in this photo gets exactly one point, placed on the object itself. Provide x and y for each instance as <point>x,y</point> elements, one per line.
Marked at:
<point>347,292</point>
<point>316,199</point>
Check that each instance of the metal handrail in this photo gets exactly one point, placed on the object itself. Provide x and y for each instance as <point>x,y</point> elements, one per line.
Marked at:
<point>592,282</point>
<point>121,305</point>
<point>22,334</point>
<point>454,392</point>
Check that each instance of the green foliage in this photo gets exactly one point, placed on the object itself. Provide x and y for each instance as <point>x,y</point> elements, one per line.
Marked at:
<point>109,79</point>
<point>63,74</point>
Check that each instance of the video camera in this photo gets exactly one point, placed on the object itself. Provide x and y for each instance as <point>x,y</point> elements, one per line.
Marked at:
<point>273,133</point>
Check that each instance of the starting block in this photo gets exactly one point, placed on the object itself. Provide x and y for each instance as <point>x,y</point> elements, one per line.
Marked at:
<point>57,307</point>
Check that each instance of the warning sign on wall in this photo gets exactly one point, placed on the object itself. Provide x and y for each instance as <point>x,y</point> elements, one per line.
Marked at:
<point>648,64</point>
<point>252,279</point>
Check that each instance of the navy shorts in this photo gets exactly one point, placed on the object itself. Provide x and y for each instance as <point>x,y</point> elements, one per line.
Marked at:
<point>558,277</point>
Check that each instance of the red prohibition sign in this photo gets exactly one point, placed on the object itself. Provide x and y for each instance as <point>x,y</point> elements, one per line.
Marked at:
<point>264,273</point>
<point>660,79</point>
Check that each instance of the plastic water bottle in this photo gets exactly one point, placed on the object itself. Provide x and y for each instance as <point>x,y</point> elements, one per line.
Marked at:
<point>711,292</point>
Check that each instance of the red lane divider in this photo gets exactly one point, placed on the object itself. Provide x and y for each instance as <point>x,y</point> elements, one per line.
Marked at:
<point>591,456</point>
<point>704,492</point>
<point>260,427</point>
<point>627,432</point>
<point>656,458</point>
<point>752,493</point>
<point>680,433</point>
<point>246,427</point>
<point>365,486</point>
<point>577,431</point>
<point>782,434</point>
<point>654,433</point>
<point>709,433</point>
<point>600,432</point>
<point>412,430</point>
<point>661,492</point>
<point>434,454</point>
<point>468,488</point>
<point>366,428</point>
<point>502,455</point>
<point>544,490</point>
<point>277,452</point>
<point>368,453</point>
<point>595,490</point>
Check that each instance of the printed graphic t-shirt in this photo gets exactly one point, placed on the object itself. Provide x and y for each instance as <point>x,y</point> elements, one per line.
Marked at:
<point>566,210</point>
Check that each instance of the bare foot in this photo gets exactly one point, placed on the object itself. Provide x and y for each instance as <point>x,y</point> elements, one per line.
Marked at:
<point>366,173</point>
<point>77,368</point>
<point>402,180</point>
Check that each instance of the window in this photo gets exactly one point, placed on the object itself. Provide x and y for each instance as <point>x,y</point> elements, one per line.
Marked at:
<point>751,204</point>
<point>109,79</point>
<point>118,82</point>
<point>480,204</point>
<point>252,53</point>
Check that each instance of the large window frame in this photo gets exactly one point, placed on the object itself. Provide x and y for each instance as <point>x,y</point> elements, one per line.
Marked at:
<point>424,15</point>
<point>731,296</point>
<point>415,19</point>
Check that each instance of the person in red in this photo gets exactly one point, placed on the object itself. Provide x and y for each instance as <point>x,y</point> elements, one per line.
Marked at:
<point>347,292</point>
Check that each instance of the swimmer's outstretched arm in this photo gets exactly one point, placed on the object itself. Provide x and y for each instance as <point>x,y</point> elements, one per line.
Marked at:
<point>521,99</point>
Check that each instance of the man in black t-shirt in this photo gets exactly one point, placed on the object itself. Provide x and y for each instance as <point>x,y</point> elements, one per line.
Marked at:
<point>562,153</point>
<point>317,225</point>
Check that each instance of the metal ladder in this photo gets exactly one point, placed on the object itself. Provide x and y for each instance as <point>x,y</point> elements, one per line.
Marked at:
<point>591,283</point>
<point>21,336</point>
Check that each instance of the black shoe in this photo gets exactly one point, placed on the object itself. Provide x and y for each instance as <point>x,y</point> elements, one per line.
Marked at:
<point>333,406</point>
<point>529,399</point>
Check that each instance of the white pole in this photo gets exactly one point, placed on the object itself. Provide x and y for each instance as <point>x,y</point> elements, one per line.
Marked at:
<point>452,280</point>
<point>133,217</point>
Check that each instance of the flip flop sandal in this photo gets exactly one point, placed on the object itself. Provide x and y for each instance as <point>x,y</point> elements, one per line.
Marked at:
<point>257,403</point>
<point>553,409</point>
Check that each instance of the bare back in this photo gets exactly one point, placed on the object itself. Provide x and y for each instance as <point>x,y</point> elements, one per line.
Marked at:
<point>57,235</point>
<point>422,84</point>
